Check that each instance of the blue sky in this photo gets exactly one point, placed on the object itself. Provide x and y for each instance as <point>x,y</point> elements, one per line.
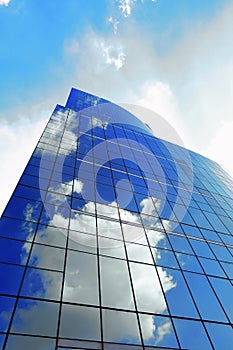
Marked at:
<point>172,56</point>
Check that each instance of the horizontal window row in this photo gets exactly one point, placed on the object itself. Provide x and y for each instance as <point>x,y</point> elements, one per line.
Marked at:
<point>79,322</point>
<point>155,289</point>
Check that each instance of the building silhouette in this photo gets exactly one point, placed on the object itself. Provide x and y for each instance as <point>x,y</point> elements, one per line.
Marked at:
<point>115,239</point>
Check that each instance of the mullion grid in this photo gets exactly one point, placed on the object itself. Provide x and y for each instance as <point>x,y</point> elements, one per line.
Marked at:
<point>134,297</point>
<point>98,269</point>
<point>213,229</point>
<point>65,262</point>
<point>207,275</point>
<point>159,278</point>
<point>162,289</point>
<point>130,277</point>
<point>18,297</point>
<point>190,293</point>
<point>217,232</point>
<point>203,194</point>
<point>131,281</point>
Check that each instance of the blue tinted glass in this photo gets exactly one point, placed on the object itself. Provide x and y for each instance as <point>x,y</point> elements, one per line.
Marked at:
<point>158,239</point>
<point>160,332</point>
<point>16,228</point>
<point>228,268</point>
<point>191,334</point>
<point>223,288</point>
<point>11,276</point>
<point>222,253</point>
<point>207,302</point>
<point>191,231</point>
<point>173,290</point>
<point>24,209</point>
<point>13,251</point>
<point>221,335</point>
<point>200,218</point>
<point>189,262</point>
<point>43,314</point>
<point>201,248</point>
<point>212,267</point>
<point>210,235</point>
<point>180,244</point>
<point>216,223</point>
<point>2,338</point>
<point>6,307</point>
<point>28,192</point>
<point>42,284</point>
<point>165,258</point>
<point>227,239</point>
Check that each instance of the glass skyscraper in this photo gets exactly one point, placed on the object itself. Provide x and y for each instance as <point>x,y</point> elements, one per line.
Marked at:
<point>114,239</point>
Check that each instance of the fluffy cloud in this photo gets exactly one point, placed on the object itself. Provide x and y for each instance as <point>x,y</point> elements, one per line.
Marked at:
<point>81,275</point>
<point>81,284</point>
<point>4,2</point>
<point>221,145</point>
<point>187,83</point>
<point>18,147</point>
<point>114,23</point>
<point>113,56</point>
<point>126,6</point>
<point>162,330</point>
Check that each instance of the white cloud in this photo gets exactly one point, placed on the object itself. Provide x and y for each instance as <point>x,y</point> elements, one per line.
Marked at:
<point>16,148</point>
<point>67,187</point>
<point>81,275</point>
<point>105,54</point>
<point>113,56</point>
<point>126,6</point>
<point>162,330</point>
<point>158,96</point>
<point>221,145</point>
<point>55,137</point>
<point>78,186</point>
<point>147,206</point>
<point>114,23</point>
<point>4,2</point>
<point>81,282</point>
<point>96,122</point>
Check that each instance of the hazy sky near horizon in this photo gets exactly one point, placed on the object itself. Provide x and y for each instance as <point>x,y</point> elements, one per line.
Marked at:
<point>174,57</point>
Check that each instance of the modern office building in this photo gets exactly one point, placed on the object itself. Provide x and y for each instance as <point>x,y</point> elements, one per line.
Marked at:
<point>114,239</point>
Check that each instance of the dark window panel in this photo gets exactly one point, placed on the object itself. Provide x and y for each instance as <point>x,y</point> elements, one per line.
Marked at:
<point>80,322</point>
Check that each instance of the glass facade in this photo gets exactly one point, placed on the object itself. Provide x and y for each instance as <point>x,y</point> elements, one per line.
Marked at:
<point>114,239</point>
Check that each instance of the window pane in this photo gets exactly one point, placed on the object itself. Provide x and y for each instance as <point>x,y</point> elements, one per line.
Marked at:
<point>47,257</point>
<point>35,317</point>
<point>207,302</point>
<point>81,284</point>
<point>22,343</point>
<point>120,327</point>
<point>192,334</point>
<point>6,307</point>
<point>11,275</point>
<point>42,284</point>
<point>79,322</point>
<point>115,284</point>
<point>147,289</point>
<point>157,331</point>
<point>177,288</point>
<point>223,288</point>
<point>221,335</point>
